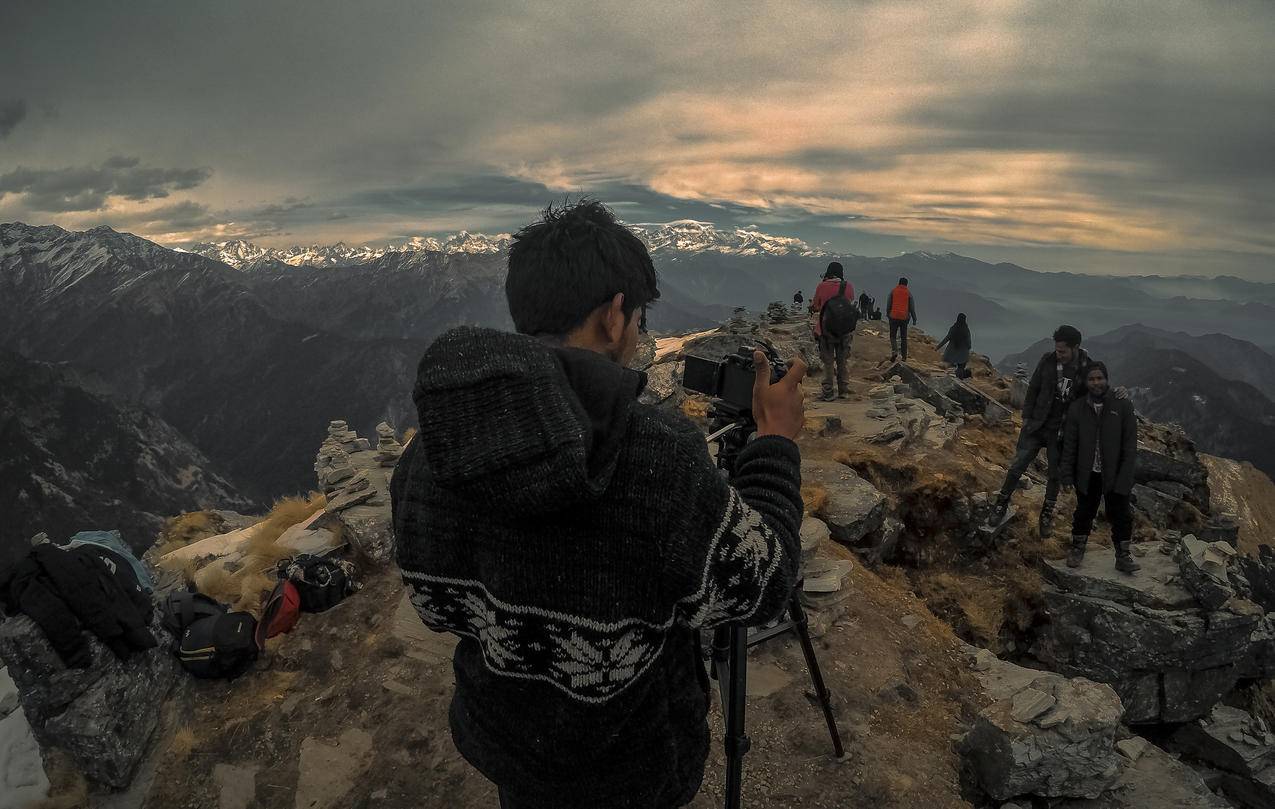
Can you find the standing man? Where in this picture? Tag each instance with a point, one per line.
(797, 300)
(1100, 450)
(900, 307)
(835, 319)
(1059, 380)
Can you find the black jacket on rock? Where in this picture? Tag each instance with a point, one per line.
(577, 540)
(1115, 431)
(67, 590)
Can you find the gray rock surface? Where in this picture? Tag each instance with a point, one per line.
(1240, 745)
(1169, 658)
(1042, 734)
(664, 385)
(359, 501)
(1161, 509)
(1205, 568)
(103, 716)
(854, 509)
(1155, 781)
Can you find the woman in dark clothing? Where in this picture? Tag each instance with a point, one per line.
(959, 341)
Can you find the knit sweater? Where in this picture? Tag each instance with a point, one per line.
(576, 541)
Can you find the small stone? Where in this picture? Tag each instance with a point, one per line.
(910, 621)
(1132, 749)
(1029, 704)
(398, 688)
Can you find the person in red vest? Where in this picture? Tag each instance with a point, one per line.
(834, 328)
(900, 307)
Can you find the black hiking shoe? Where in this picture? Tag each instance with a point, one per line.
(1124, 560)
(1076, 553)
(843, 394)
(827, 396)
(1046, 524)
(998, 510)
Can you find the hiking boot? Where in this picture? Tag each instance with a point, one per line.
(1124, 559)
(1046, 524)
(893, 357)
(827, 396)
(844, 393)
(999, 509)
(1076, 553)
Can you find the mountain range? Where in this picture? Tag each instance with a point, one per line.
(247, 352)
(1221, 390)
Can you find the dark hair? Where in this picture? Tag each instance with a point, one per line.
(903, 281)
(835, 270)
(1067, 334)
(1097, 365)
(575, 259)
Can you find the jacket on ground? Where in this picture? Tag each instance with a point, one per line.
(1038, 405)
(66, 590)
(1115, 431)
(576, 541)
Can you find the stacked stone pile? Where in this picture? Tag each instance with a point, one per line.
(776, 312)
(824, 580)
(355, 477)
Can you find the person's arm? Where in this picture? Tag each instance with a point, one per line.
(1070, 448)
(1128, 449)
(1033, 390)
(946, 339)
(736, 556)
(912, 306)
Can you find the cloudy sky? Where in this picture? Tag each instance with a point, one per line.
(1124, 137)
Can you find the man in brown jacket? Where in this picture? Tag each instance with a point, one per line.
(1100, 449)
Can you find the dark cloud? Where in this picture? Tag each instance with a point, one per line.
(11, 114)
(87, 188)
(179, 216)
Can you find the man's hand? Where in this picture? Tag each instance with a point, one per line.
(1122, 392)
(778, 409)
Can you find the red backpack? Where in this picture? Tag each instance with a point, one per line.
(279, 613)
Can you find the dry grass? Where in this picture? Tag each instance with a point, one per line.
(67, 787)
(180, 531)
(814, 496)
(972, 605)
(695, 408)
(183, 742)
(408, 435)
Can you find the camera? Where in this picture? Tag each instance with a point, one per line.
(730, 379)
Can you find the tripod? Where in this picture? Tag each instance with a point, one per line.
(731, 641)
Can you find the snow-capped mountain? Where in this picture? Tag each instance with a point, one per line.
(682, 236)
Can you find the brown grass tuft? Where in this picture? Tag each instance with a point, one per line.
(183, 742)
(67, 787)
(974, 607)
(815, 497)
(180, 531)
(695, 408)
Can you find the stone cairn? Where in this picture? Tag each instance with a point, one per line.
(332, 464)
(824, 581)
(388, 449)
(740, 323)
(776, 312)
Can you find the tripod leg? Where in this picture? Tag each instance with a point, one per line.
(734, 691)
(816, 676)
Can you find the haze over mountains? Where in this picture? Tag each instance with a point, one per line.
(247, 352)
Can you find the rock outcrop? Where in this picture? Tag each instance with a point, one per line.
(1150, 777)
(854, 508)
(1241, 747)
(1168, 655)
(102, 716)
(1043, 734)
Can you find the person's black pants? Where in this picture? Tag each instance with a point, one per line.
(899, 338)
(1029, 446)
(1119, 513)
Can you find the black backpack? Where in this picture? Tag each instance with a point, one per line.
(839, 315)
(210, 641)
(322, 583)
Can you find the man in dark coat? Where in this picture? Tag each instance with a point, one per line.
(1058, 380)
(1100, 450)
(577, 540)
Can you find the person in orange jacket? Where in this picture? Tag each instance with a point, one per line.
(899, 307)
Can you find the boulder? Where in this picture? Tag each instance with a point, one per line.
(854, 507)
(1153, 780)
(103, 716)
(1205, 570)
(1259, 576)
(1168, 657)
(664, 386)
(645, 354)
(1182, 467)
(971, 399)
(1042, 734)
(1241, 746)
(1160, 509)
(922, 389)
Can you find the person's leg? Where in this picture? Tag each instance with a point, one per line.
(1082, 520)
(843, 356)
(1120, 515)
(894, 339)
(827, 356)
(1028, 447)
(903, 339)
(1053, 456)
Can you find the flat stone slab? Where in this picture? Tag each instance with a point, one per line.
(854, 509)
(1157, 585)
(423, 643)
(1155, 780)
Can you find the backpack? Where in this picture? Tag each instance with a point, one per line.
(321, 583)
(219, 646)
(839, 316)
(209, 641)
(280, 612)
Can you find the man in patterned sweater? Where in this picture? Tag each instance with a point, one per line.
(577, 540)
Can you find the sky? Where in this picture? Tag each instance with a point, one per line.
(1128, 138)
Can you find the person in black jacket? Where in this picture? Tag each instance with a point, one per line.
(1099, 455)
(577, 540)
(959, 343)
(1057, 381)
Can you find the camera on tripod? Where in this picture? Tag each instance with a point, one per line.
(730, 379)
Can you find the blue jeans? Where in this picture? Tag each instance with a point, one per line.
(1029, 446)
